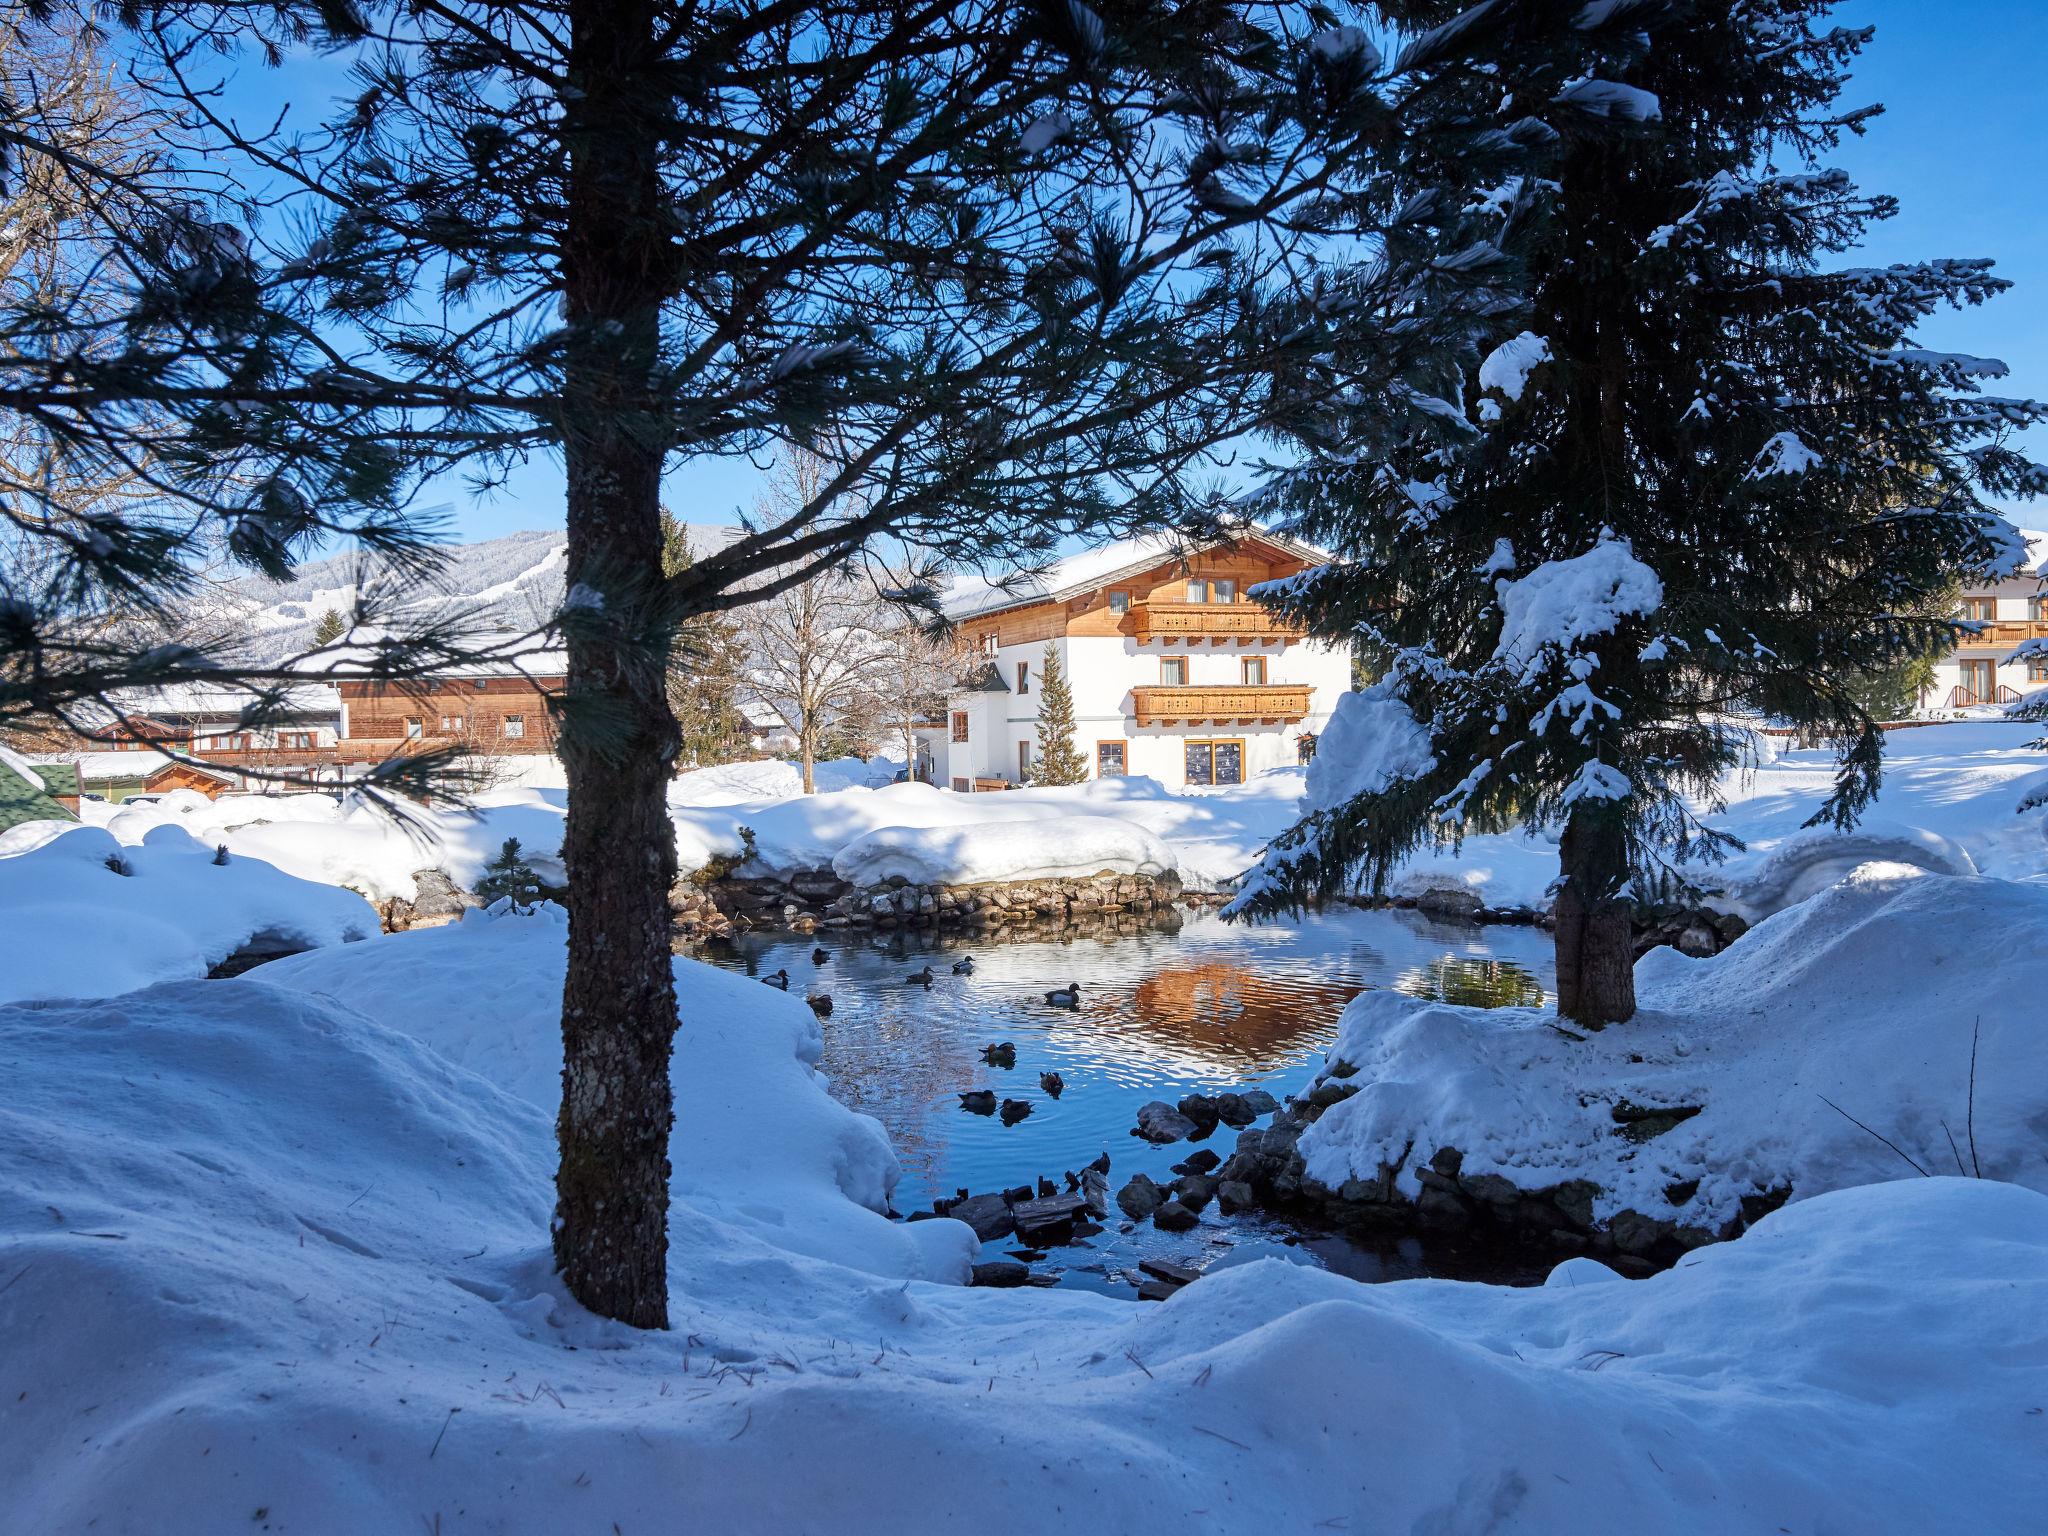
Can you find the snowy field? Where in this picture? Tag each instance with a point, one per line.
(275, 1254)
(273, 1250)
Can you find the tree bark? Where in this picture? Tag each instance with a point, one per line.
(619, 738)
(807, 748)
(1596, 976)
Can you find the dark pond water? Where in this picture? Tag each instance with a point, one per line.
(1181, 1006)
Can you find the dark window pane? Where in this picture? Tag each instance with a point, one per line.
(1229, 763)
(1201, 766)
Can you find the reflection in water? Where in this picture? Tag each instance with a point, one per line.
(1167, 1008)
(1474, 983)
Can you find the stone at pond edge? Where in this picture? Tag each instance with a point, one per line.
(1170, 1272)
(1204, 1161)
(1140, 1198)
(1234, 1195)
(1001, 1273)
(1173, 1217)
(1161, 1122)
(989, 1215)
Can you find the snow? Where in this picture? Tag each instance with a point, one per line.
(1857, 998)
(1508, 366)
(72, 926)
(1563, 602)
(1784, 454)
(1372, 743)
(15, 762)
(270, 1261)
(1044, 847)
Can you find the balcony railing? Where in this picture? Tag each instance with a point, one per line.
(2004, 632)
(1218, 623)
(1267, 704)
(1963, 696)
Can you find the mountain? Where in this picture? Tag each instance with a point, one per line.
(514, 582)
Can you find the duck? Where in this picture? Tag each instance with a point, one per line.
(1068, 996)
(1015, 1110)
(979, 1101)
(819, 957)
(964, 966)
(780, 980)
(1004, 1055)
(821, 1004)
(921, 978)
(1053, 1084)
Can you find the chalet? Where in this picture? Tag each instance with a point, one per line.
(486, 708)
(1980, 669)
(1177, 672)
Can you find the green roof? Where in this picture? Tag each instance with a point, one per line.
(21, 801)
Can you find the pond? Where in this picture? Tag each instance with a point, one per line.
(1184, 1004)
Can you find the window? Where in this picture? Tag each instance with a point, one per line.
(515, 725)
(961, 786)
(1119, 602)
(1173, 671)
(1109, 759)
(300, 739)
(2037, 669)
(1980, 607)
(959, 725)
(1223, 591)
(481, 685)
(990, 642)
(412, 729)
(1023, 761)
(1254, 670)
(1198, 590)
(451, 722)
(1215, 762)
(1023, 677)
(2037, 608)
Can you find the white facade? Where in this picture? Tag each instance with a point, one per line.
(1104, 672)
(1979, 671)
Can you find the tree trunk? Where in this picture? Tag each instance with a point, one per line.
(619, 739)
(1596, 976)
(807, 748)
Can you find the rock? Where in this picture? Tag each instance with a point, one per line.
(1156, 1290)
(1095, 1191)
(1201, 1110)
(1453, 901)
(1697, 940)
(1643, 1123)
(1233, 1195)
(1140, 1198)
(1003, 1273)
(1161, 1122)
(1259, 1102)
(1574, 1201)
(1019, 1192)
(438, 896)
(1442, 1208)
(989, 1215)
(1327, 1093)
(1447, 1160)
(1203, 1161)
(1047, 1222)
(1232, 1110)
(1170, 1272)
(1194, 1191)
(1173, 1217)
(1490, 1188)
(1633, 1233)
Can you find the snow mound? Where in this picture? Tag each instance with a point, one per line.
(1864, 997)
(1042, 848)
(85, 915)
(1563, 602)
(758, 1143)
(269, 1263)
(1803, 865)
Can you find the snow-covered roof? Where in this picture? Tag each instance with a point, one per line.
(180, 699)
(970, 596)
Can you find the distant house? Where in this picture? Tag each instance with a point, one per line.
(1177, 671)
(1980, 669)
(35, 792)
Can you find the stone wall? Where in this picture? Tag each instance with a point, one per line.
(709, 905)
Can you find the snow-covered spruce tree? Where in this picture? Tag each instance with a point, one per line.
(1021, 268)
(1709, 480)
(1059, 760)
(509, 877)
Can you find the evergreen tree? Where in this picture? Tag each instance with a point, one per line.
(1059, 759)
(509, 877)
(706, 663)
(328, 628)
(1707, 477)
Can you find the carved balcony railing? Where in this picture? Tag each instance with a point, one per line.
(1267, 704)
(1217, 623)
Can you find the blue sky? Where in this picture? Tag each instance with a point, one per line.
(1962, 145)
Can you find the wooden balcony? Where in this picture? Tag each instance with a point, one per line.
(1270, 704)
(2005, 633)
(1217, 623)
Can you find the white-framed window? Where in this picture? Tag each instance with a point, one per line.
(1198, 589)
(515, 725)
(451, 723)
(1173, 671)
(991, 643)
(412, 729)
(1253, 669)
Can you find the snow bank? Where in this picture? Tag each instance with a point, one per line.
(264, 1262)
(757, 1143)
(73, 925)
(1868, 996)
(1042, 848)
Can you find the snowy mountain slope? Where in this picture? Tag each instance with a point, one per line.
(511, 581)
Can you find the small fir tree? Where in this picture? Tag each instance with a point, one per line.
(510, 877)
(328, 628)
(1707, 474)
(1059, 759)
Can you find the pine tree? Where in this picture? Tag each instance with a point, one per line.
(509, 877)
(1059, 760)
(707, 661)
(328, 628)
(1706, 477)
